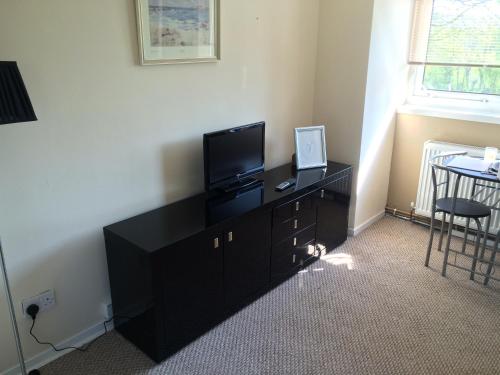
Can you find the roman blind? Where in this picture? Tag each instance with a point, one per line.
(456, 33)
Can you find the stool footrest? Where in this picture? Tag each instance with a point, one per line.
(474, 272)
(479, 259)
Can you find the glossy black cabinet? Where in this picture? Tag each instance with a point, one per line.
(247, 250)
(178, 271)
(193, 287)
(332, 202)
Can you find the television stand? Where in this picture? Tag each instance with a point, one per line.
(180, 270)
(243, 183)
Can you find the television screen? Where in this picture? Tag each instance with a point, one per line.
(234, 154)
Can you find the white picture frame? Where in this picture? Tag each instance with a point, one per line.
(310, 147)
(178, 31)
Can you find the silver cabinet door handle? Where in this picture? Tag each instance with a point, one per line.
(322, 193)
(297, 206)
(230, 236)
(293, 260)
(295, 241)
(216, 242)
(295, 224)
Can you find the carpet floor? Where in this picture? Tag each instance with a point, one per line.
(370, 307)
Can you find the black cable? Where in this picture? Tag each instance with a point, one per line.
(83, 348)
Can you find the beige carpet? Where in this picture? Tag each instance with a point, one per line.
(371, 307)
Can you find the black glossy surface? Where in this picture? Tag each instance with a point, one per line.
(177, 271)
(246, 258)
(167, 225)
(333, 213)
(233, 154)
(193, 288)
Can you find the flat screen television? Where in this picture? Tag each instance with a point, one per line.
(233, 156)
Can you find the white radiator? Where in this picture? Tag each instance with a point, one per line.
(425, 190)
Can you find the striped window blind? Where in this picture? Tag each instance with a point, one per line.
(463, 33)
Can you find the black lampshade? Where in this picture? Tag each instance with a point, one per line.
(15, 104)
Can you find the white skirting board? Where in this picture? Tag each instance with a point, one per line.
(359, 229)
(50, 355)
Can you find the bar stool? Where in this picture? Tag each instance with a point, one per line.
(453, 206)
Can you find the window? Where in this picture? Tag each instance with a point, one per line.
(455, 51)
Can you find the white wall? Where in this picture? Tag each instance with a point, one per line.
(343, 47)
(115, 139)
(360, 79)
(385, 89)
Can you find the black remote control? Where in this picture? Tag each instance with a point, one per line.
(285, 184)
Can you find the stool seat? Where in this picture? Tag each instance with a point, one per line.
(464, 208)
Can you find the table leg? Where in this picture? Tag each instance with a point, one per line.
(486, 231)
(440, 246)
(431, 239)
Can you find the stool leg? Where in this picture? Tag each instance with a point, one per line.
(492, 260)
(450, 226)
(443, 221)
(466, 234)
(483, 249)
(476, 249)
(431, 239)
(448, 243)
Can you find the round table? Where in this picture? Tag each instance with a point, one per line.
(475, 175)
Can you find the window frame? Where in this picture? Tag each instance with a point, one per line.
(451, 104)
(448, 104)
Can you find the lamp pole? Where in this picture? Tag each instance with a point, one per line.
(12, 312)
(15, 106)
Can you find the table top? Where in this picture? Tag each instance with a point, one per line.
(473, 174)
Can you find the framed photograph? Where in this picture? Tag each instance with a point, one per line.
(310, 147)
(178, 31)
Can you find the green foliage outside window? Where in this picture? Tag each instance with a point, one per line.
(464, 32)
(463, 79)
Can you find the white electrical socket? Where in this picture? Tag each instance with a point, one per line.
(45, 301)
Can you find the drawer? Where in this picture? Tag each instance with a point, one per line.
(292, 261)
(286, 229)
(283, 268)
(295, 243)
(297, 208)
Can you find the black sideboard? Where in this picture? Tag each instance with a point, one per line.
(178, 271)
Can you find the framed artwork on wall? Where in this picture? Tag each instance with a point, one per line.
(310, 147)
(178, 31)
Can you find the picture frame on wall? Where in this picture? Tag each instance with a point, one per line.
(310, 147)
(178, 31)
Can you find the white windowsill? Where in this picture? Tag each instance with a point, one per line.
(455, 114)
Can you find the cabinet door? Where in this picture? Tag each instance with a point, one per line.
(247, 256)
(193, 288)
(333, 213)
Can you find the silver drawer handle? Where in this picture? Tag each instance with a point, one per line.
(297, 206)
(322, 193)
(216, 243)
(295, 241)
(295, 224)
(230, 236)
